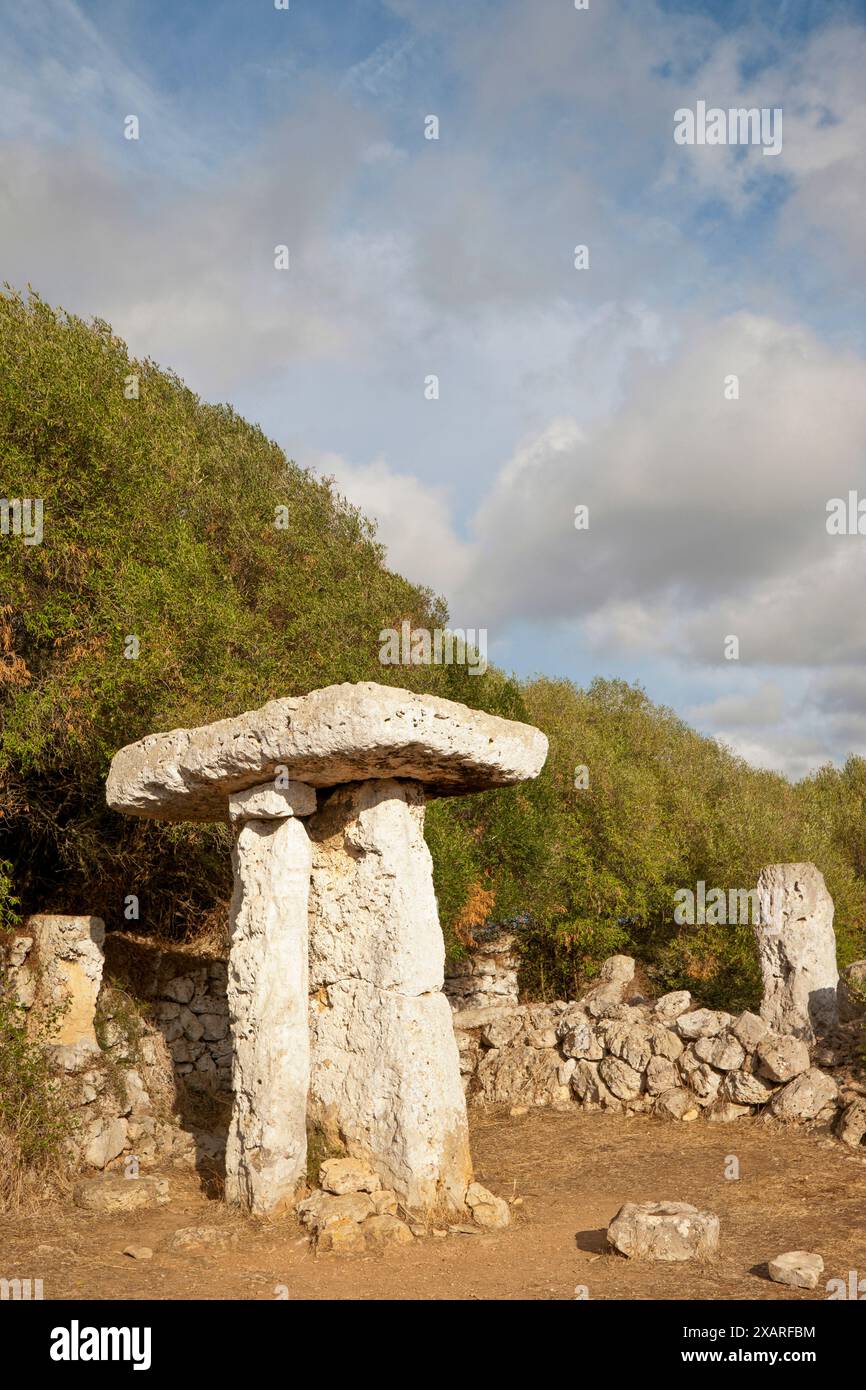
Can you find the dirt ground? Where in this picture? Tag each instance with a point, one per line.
(571, 1172)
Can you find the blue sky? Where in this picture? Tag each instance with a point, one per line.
(454, 257)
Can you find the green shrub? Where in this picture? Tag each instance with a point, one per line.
(35, 1121)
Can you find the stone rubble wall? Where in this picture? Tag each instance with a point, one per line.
(115, 1071)
(486, 977)
(611, 1050)
(614, 1050)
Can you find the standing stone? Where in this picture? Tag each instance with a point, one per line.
(385, 1081)
(70, 953)
(797, 950)
(268, 992)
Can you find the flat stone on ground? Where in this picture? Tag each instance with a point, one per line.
(798, 1268)
(663, 1231)
(113, 1192)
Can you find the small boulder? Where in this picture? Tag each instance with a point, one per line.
(622, 1080)
(677, 1104)
(723, 1052)
(749, 1029)
(851, 1127)
(851, 992)
(661, 1076)
(323, 1209)
(342, 1175)
(487, 1210)
(139, 1252)
(663, 1231)
(781, 1059)
(386, 1230)
(113, 1192)
(702, 1023)
(805, 1097)
(800, 1269)
(744, 1088)
(342, 1238)
(669, 1007)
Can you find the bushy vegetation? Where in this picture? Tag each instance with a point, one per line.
(160, 523)
(35, 1121)
(585, 871)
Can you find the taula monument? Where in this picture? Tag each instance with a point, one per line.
(336, 960)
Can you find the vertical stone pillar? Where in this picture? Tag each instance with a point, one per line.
(268, 996)
(385, 1080)
(797, 950)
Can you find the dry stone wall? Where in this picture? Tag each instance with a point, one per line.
(617, 1051)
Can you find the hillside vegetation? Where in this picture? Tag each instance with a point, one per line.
(244, 578)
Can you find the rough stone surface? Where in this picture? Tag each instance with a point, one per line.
(581, 1041)
(385, 1081)
(851, 1126)
(268, 1003)
(797, 950)
(663, 1231)
(385, 1230)
(702, 1023)
(723, 1052)
(323, 1209)
(344, 733)
(271, 802)
(805, 1097)
(781, 1059)
(624, 1081)
(487, 1210)
(661, 1076)
(745, 1088)
(669, 1007)
(113, 1192)
(800, 1269)
(339, 1175)
(677, 1104)
(749, 1029)
(486, 977)
(851, 993)
(70, 952)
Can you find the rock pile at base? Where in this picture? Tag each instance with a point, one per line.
(350, 1212)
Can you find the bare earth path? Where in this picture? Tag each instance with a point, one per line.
(573, 1171)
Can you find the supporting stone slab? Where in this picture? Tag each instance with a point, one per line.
(385, 1079)
(268, 995)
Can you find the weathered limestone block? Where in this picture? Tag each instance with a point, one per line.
(805, 1097)
(385, 1080)
(797, 950)
(69, 951)
(800, 1269)
(268, 1002)
(664, 1231)
(341, 734)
